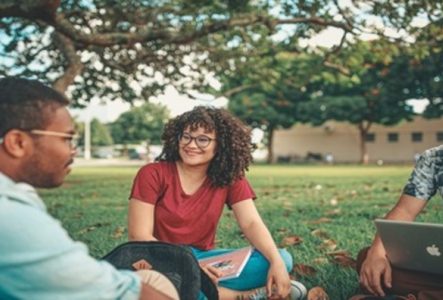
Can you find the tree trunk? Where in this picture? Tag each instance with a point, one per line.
(363, 130)
(270, 142)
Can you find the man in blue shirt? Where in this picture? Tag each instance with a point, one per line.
(38, 258)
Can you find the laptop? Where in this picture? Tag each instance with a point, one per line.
(412, 245)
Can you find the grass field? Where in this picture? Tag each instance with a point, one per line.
(328, 208)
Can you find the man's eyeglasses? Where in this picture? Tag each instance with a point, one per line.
(202, 141)
(70, 139)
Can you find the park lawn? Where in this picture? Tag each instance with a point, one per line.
(313, 211)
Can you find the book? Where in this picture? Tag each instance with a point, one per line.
(231, 263)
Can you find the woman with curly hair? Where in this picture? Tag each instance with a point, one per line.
(180, 199)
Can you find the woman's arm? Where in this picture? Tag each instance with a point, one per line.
(141, 221)
(259, 236)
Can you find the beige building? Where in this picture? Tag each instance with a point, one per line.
(399, 143)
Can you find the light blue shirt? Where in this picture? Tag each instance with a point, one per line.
(38, 259)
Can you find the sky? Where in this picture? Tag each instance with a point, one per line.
(109, 111)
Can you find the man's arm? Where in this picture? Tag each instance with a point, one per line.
(376, 266)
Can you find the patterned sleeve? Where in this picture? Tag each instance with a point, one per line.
(421, 183)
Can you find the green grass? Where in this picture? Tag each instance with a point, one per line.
(92, 206)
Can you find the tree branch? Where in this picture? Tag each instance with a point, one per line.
(31, 9)
(64, 26)
(340, 68)
(236, 90)
(75, 66)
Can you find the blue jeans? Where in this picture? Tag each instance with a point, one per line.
(254, 274)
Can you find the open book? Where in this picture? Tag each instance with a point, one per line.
(231, 263)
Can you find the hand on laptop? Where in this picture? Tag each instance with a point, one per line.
(376, 271)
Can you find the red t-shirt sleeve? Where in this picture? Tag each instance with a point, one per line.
(240, 190)
(147, 185)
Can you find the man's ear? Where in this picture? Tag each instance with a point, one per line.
(17, 143)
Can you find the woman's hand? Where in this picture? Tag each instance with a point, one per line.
(278, 284)
(213, 273)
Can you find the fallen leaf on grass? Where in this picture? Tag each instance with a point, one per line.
(317, 293)
(338, 252)
(287, 213)
(118, 233)
(92, 227)
(287, 204)
(282, 230)
(367, 187)
(328, 245)
(320, 261)
(320, 233)
(333, 212)
(304, 270)
(343, 259)
(319, 221)
(291, 240)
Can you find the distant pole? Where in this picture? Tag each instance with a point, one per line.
(87, 152)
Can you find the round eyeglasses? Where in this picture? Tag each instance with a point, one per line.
(202, 141)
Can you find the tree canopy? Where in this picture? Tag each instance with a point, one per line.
(270, 90)
(375, 90)
(134, 49)
(140, 124)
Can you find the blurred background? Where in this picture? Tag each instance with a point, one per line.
(320, 81)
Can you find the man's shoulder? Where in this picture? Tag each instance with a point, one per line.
(431, 159)
(434, 153)
(24, 225)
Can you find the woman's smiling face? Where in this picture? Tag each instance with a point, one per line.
(197, 147)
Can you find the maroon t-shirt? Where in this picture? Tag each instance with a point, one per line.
(180, 218)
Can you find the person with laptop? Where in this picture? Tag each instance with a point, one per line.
(377, 275)
(38, 258)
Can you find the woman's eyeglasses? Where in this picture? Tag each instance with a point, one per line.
(202, 141)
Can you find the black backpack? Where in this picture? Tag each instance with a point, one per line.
(177, 263)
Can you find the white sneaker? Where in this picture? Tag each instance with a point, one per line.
(297, 292)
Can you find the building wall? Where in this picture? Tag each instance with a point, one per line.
(342, 141)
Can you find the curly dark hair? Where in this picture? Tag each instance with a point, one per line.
(233, 152)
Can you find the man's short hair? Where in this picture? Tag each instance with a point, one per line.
(26, 104)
